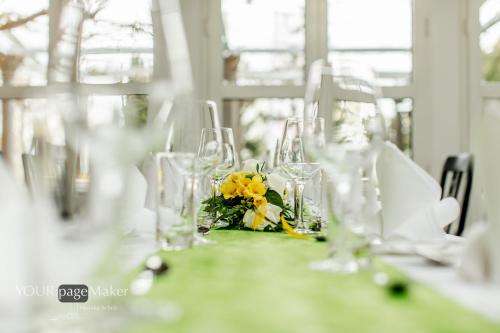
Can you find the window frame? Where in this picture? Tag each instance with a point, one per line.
(84, 89)
(316, 46)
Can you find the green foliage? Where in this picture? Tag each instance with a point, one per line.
(491, 64)
(228, 210)
(274, 198)
(233, 210)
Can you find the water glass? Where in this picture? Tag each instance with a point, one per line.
(178, 173)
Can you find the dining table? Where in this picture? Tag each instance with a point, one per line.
(261, 282)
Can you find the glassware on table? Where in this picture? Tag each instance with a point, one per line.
(291, 148)
(341, 241)
(177, 216)
(354, 129)
(184, 122)
(300, 172)
(218, 149)
(314, 202)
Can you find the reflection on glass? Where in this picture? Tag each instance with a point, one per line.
(374, 33)
(398, 122)
(260, 123)
(489, 17)
(23, 42)
(263, 41)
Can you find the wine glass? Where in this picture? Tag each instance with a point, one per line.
(292, 162)
(347, 98)
(291, 147)
(300, 172)
(217, 147)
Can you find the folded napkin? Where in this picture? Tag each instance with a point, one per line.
(412, 208)
(482, 255)
(137, 218)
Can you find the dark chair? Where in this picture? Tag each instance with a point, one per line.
(458, 168)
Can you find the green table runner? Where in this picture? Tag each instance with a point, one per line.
(260, 282)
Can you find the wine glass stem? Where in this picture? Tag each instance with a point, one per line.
(190, 207)
(214, 183)
(299, 204)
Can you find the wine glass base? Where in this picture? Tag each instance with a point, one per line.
(305, 231)
(202, 240)
(335, 266)
(219, 224)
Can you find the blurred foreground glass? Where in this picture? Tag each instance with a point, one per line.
(340, 244)
(347, 97)
(217, 148)
(184, 120)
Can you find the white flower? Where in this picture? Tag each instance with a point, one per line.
(272, 214)
(277, 183)
(250, 165)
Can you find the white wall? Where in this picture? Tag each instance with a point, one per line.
(441, 112)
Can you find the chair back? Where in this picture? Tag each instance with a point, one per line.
(456, 182)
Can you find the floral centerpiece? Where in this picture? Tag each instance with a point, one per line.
(252, 199)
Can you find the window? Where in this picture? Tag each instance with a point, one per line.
(263, 41)
(489, 18)
(377, 34)
(267, 46)
(117, 43)
(24, 39)
(261, 123)
(114, 60)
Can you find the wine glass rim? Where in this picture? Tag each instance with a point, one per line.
(302, 163)
(216, 129)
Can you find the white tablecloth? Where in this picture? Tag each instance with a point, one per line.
(480, 297)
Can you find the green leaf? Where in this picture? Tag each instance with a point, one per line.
(274, 198)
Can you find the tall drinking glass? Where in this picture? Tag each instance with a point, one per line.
(347, 99)
(177, 215)
(184, 122)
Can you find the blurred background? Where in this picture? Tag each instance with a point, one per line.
(437, 63)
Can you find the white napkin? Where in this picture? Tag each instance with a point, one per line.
(482, 256)
(137, 218)
(412, 208)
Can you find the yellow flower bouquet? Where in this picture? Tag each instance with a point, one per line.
(251, 199)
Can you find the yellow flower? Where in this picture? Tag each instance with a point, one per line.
(243, 184)
(255, 188)
(259, 201)
(228, 189)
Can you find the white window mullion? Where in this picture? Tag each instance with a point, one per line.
(316, 32)
(215, 61)
(83, 89)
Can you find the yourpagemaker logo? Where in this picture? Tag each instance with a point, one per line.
(73, 293)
